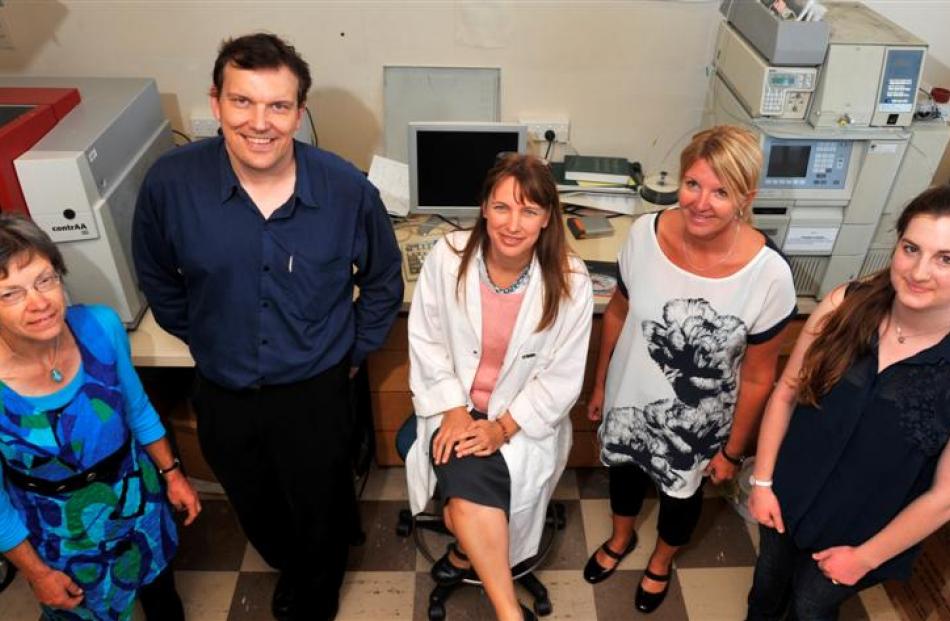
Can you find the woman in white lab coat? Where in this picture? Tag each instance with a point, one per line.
(498, 335)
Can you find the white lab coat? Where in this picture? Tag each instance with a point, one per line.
(539, 381)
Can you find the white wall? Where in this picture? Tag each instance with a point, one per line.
(630, 75)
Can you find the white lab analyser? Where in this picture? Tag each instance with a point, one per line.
(80, 182)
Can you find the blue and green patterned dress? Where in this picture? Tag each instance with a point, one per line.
(110, 538)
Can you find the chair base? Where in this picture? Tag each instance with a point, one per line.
(542, 602)
(522, 572)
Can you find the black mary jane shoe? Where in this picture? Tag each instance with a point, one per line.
(528, 614)
(445, 573)
(594, 573)
(647, 602)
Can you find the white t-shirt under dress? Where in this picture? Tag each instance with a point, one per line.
(673, 378)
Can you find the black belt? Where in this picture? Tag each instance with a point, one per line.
(106, 470)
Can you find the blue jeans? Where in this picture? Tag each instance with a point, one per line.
(788, 580)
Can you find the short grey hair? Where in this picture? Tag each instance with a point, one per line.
(20, 235)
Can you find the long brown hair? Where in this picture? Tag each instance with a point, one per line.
(849, 330)
(732, 153)
(534, 183)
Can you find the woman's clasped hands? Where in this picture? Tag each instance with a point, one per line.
(466, 436)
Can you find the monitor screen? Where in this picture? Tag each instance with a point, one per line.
(448, 162)
(788, 161)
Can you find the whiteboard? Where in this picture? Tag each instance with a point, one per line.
(435, 94)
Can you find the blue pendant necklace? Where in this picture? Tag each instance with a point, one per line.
(54, 373)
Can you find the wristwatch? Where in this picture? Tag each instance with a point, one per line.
(759, 482)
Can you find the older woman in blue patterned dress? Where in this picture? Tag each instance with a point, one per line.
(84, 463)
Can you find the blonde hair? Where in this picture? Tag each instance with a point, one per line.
(734, 155)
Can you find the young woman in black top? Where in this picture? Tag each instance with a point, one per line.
(853, 464)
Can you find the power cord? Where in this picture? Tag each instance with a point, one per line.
(549, 135)
(453, 224)
(313, 128)
(182, 134)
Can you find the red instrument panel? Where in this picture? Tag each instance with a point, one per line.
(31, 113)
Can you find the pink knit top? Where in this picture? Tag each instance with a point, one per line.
(499, 313)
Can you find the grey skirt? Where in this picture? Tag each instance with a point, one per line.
(481, 480)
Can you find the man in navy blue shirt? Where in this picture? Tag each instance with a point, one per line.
(248, 248)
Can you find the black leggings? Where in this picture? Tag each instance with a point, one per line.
(678, 516)
(160, 600)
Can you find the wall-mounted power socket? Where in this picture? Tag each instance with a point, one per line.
(204, 126)
(537, 127)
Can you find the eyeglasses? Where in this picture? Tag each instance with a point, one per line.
(14, 295)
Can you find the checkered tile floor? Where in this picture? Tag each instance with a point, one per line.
(221, 577)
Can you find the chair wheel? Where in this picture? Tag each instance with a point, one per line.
(404, 525)
(542, 607)
(436, 612)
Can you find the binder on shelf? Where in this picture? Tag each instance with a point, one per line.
(567, 185)
(597, 169)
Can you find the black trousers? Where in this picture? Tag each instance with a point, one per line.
(282, 454)
(678, 516)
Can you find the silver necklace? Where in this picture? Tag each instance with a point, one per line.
(54, 373)
(902, 338)
(725, 257)
(513, 287)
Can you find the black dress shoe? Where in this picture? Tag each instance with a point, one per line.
(528, 614)
(283, 603)
(594, 573)
(647, 602)
(445, 573)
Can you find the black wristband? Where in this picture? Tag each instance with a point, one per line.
(176, 464)
(735, 461)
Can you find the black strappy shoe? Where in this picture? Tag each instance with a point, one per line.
(594, 573)
(445, 573)
(528, 614)
(647, 602)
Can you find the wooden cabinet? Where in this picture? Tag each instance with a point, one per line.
(388, 371)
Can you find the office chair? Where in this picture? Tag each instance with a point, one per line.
(427, 522)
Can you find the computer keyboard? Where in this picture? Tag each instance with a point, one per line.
(413, 254)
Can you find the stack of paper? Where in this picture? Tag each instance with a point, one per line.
(391, 178)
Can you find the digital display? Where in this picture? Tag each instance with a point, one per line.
(786, 161)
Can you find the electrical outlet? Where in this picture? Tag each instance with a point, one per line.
(204, 126)
(538, 127)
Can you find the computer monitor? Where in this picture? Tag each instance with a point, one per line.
(448, 162)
